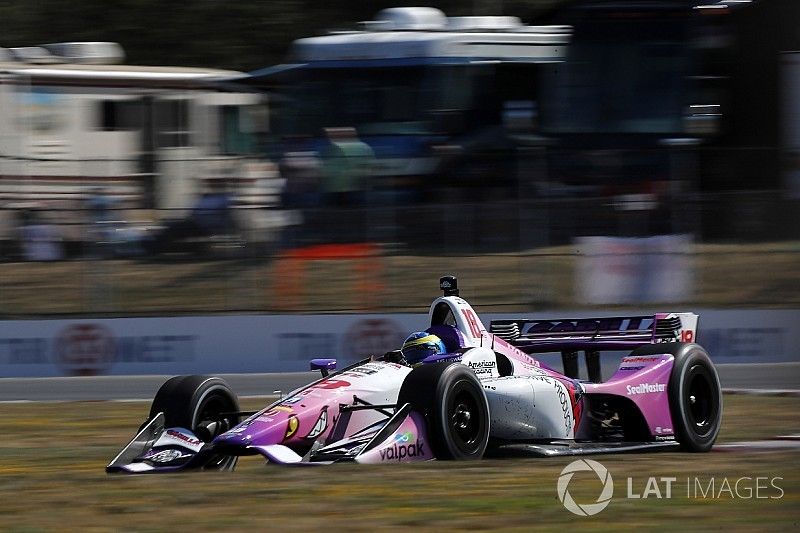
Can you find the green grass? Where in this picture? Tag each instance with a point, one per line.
(52, 479)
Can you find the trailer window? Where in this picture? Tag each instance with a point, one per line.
(237, 130)
(119, 115)
(172, 123)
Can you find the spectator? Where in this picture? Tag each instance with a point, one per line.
(347, 166)
(102, 228)
(301, 169)
(111, 235)
(41, 241)
(211, 215)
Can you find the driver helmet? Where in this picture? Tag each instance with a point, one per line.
(420, 345)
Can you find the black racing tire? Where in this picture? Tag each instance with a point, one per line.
(695, 395)
(455, 407)
(194, 402)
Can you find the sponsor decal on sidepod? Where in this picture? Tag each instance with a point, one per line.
(482, 367)
(645, 388)
(402, 448)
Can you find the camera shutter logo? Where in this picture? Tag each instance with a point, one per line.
(585, 465)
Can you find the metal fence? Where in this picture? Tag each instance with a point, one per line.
(723, 250)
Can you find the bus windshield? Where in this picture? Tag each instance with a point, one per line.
(385, 100)
(399, 100)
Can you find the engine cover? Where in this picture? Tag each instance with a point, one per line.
(529, 407)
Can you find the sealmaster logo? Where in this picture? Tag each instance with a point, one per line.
(645, 388)
(585, 465)
(403, 448)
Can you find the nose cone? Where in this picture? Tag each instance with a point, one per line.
(297, 425)
(271, 427)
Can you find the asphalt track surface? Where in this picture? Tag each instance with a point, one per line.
(766, 377)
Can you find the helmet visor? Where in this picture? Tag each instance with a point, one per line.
(418, 352)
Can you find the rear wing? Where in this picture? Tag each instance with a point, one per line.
(592, 335)
(596, 334)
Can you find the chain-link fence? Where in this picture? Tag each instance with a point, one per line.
(713, 250)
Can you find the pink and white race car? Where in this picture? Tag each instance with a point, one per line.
(486, 396)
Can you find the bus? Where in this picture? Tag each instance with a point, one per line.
(74, 119)
(432, 95)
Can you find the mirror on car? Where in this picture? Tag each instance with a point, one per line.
(323, 365)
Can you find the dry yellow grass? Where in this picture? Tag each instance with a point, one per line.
(758, 275)
(51, 479)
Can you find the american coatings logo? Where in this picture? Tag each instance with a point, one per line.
(645, 388)
(585, 465)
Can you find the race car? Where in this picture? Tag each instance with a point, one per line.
(485, 396)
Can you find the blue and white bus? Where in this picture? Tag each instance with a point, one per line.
(420, 88)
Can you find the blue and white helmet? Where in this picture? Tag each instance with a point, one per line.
(420, 345)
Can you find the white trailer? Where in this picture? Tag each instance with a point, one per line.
(72, 121)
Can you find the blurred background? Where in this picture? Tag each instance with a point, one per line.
(251, 157)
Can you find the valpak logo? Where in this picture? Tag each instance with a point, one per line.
(645, 388)
(403, 448)
(586, 509)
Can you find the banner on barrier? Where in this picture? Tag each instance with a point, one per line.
(278, 343)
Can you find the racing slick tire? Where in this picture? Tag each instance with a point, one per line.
(455, 407)
(695, 395)
(198, 403)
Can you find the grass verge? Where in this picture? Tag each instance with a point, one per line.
(546, 278)
(52, 458)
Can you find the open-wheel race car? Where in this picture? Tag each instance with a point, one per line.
(482, 395)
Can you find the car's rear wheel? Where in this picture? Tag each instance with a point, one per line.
(455, 407)
(204, 405)
(695, 395)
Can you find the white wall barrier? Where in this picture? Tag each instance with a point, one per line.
(282, 343)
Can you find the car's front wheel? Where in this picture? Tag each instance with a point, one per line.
(202, 404)
(455, 407)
